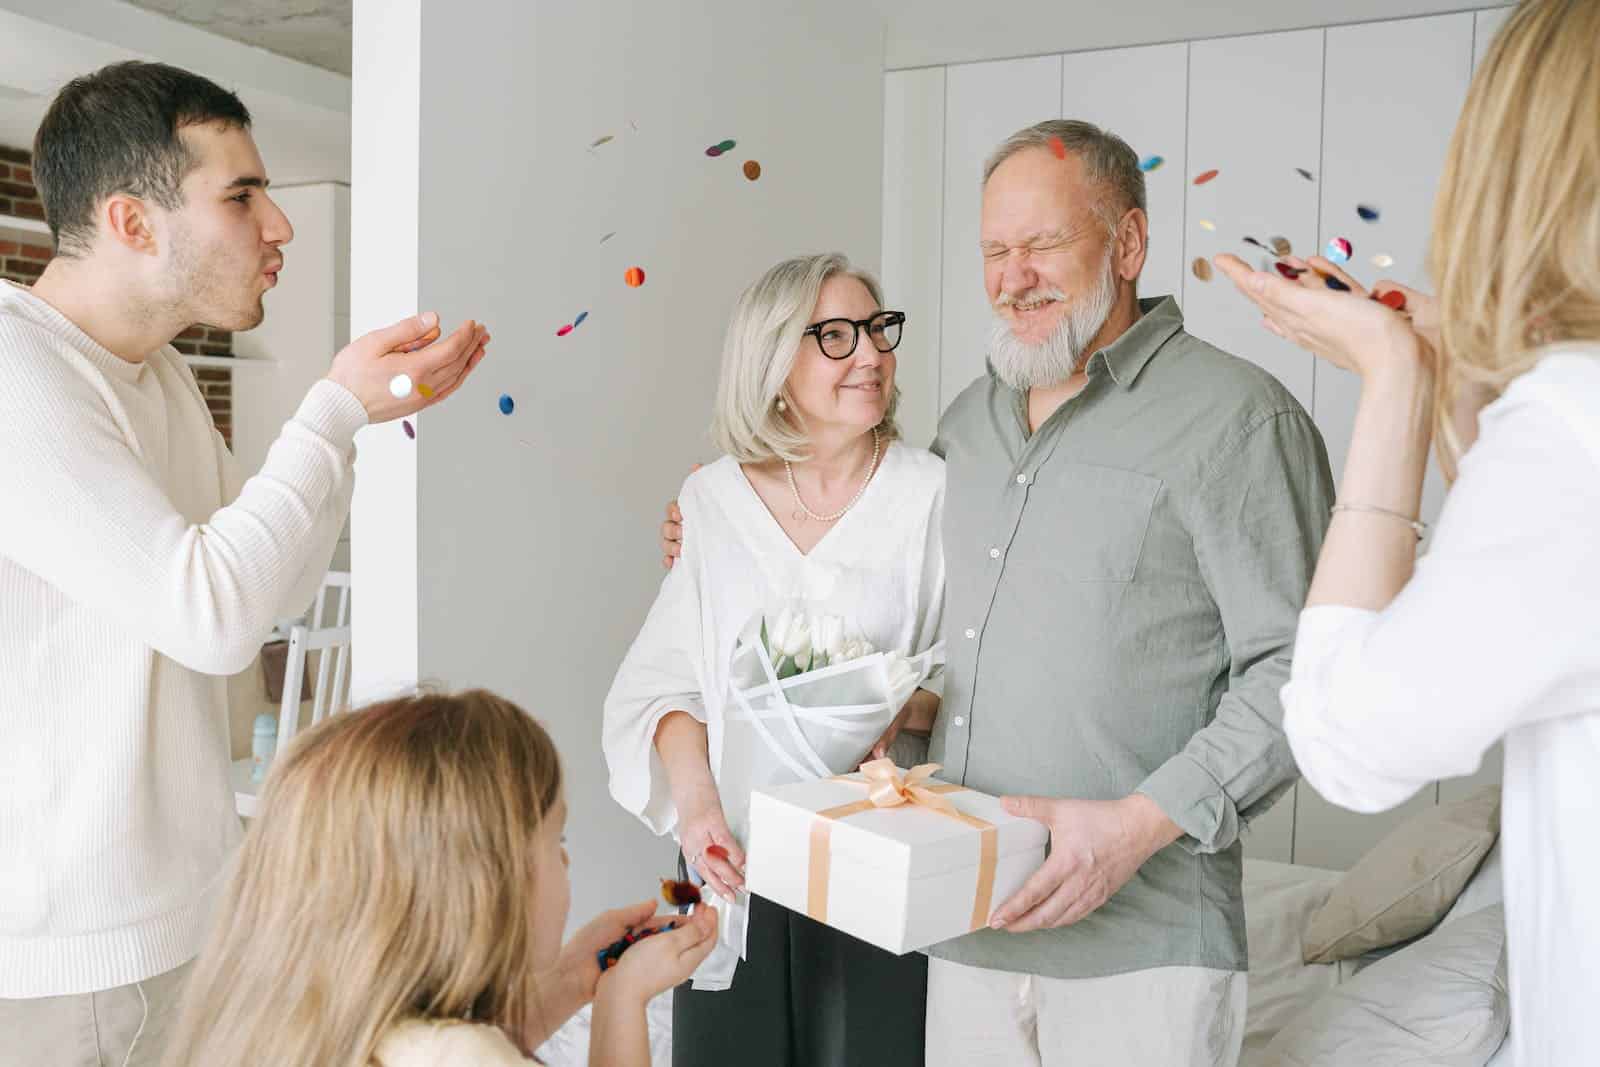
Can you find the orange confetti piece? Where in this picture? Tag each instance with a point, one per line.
(634, 277)
(1201, 179)
(1058, 147)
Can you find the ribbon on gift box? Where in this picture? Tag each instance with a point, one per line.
(889, 787)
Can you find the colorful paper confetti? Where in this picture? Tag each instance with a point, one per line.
(400, 386)
(1335, 283)
(405, 424)
(1150, 163)
(634, 276)
(1393, 298)
(507, 405)
(1059, 147)
(1367, 212)
(1257, 244)
(720, 148)
(1339, 250)
(1289, 272)
(1280, 246)
(1201, 179)
(427, 393)
(713, 151)
(564, 330)
(1382, 261)
(1306, 174)
(679, 894)
(1207, 224)
(1202, 268)
(602, 140)
(716, 852)
(579, 320)
(608, 237)
(752, 169)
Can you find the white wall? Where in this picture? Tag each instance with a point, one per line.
(1368, 109)
(535, 555)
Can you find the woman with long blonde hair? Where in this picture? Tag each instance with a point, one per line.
(1407, 670)
(400, 902)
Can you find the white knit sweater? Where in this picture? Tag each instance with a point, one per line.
(135, 571)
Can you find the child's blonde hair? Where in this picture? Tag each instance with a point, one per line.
(389, 875)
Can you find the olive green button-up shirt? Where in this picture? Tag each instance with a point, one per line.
(1122, 593)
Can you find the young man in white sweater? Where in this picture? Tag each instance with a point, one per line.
(137, 567)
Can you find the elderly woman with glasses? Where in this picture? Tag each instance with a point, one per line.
(816, 501)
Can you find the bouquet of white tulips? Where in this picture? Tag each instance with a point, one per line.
(811, 695)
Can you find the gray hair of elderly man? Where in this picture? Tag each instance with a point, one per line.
(1108, 162)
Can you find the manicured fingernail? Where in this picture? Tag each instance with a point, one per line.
(997, 923)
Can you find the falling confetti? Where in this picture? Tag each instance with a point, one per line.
(1339, 250)
(1257, 244)
(1394, 298)
(721, 148)
(1207, 224)
(1202, 268)
(1382, 261)
(1150, 163)
(1306, 174)
(579, 320)
(1367, 212)
(602, 140)
(400, 386)
(634, 276)
(1280, 246)
(1289, 272)
(405, 424)
(427, 394)
(727, 146)
(507, 405)
(752, 169)
(714, 151)
(608, 237)
(1201, 179)
(1059, 147)
(564, 330)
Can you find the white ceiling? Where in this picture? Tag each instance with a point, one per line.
(313, 31)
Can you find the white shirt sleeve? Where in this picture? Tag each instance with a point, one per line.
(1495, 629)
(660, 674)
(102, 529)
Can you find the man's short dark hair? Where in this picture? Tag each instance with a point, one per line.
(116, 131)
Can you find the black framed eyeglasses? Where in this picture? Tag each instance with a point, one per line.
(838, 337)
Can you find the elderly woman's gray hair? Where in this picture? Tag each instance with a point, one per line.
(1108, 162)
(763, 339)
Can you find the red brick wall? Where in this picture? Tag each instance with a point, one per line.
(22, 262)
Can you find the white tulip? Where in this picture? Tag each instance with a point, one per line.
(827, 637)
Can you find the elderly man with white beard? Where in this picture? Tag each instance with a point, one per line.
(1131, 521)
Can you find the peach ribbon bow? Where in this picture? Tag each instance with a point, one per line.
(890, 787)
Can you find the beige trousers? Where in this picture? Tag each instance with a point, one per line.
(122, 1027)
(1162, 1017)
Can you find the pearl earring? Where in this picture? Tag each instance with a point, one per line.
(781, 405)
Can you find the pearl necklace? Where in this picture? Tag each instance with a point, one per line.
(802, 512)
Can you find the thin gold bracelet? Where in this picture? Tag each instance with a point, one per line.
(1418, 528)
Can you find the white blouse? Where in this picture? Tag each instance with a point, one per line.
(881, 568)
(1496, 637)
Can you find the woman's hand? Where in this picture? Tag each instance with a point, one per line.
(656, 964)
(1347, 328)
(708, 844)
(918, 715)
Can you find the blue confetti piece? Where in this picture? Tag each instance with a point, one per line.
(1368, 214)
(579, 320)
(507, 405)
(1335, 283)
(1150, 163)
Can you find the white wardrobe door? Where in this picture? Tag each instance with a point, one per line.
(1147, 111)
(984, 104)
(1255, 115)
(913, 213)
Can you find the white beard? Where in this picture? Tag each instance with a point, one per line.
(1052, 361)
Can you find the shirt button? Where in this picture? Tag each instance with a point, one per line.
(971, 634)
(994, 553)
(1022, 479)
(958, 721)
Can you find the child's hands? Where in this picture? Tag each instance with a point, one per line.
(578, 970)
(667, 959)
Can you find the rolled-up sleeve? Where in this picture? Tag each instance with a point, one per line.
(1257, 522)
(659, 675)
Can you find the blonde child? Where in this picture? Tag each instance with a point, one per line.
(400, 902)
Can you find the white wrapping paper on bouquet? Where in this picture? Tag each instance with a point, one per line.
(801, 728)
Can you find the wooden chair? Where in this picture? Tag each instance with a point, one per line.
(325, 632)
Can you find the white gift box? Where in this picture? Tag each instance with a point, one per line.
(901, 877)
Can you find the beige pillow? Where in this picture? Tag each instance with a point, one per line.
(1441, 1001)
(1404, 886)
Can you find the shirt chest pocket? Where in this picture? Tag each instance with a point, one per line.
(1084, 523)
